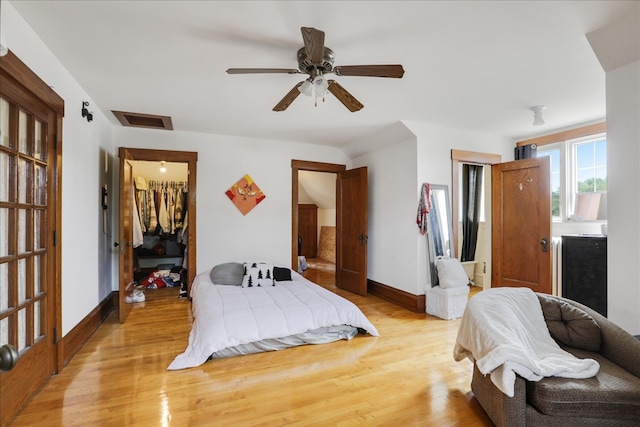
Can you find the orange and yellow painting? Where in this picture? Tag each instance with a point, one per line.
(245, 194)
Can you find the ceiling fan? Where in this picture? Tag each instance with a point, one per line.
(316, 60)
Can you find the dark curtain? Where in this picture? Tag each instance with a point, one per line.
(471, 193)
(525, 152)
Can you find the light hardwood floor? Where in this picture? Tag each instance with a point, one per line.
(405, 377)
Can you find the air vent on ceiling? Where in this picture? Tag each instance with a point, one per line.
(150, 121)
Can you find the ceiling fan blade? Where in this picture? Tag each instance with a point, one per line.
(313, 43)
(288, 98)
(395, 71)
(262, 71)
(345, 97)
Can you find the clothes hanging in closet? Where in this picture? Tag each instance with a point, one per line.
(161, 205)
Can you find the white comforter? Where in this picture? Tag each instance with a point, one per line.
(504, 331)
(227, 316)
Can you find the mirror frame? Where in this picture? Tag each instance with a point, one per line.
(431, 243)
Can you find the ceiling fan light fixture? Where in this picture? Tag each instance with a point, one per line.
(537, 114)
(306, 88)
(320, 84)
(316, 86)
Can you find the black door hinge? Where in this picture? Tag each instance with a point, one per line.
(55, 238)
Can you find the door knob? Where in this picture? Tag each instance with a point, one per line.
(545, 245)
(8, 357)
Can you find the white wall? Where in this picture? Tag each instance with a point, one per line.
(87, 154)
(409, 154)
(623, 156)
(224, 234)
(617, 47)
(392, 254)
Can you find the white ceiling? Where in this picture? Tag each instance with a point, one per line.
(473, 65)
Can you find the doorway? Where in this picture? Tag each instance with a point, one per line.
(128, 157)
(317, 225)
(481, 271)
(351, 222)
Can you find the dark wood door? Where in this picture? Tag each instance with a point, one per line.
(308, 229)
(521, 224)
(125, 243)
(29, 243)
(351, 230)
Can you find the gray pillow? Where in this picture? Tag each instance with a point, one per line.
(230, 273)
(570, 325)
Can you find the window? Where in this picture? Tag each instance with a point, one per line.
(578, 178)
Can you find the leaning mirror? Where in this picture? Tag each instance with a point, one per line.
(440, 231)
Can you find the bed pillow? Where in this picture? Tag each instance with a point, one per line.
(281, 274)
(266, 267)
(230, 273)
(451, 273)
(256, 277)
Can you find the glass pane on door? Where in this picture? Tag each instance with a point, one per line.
(38, 230)
(39, 141)
(38, 269)
(22, 329)
(4, 331)
(4, 231)
(22, 231)
(40, 185)
(7, 182)
(22, 281)
(23, 142)
(4, 122)
(4, 287)
(36, 320)
(25, 173)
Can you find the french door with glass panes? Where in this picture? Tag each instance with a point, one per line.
(28, 258)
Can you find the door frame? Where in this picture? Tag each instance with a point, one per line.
(459, 157)
(298, 165)
(191, 158)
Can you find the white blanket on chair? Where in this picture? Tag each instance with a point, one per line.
(504, 332)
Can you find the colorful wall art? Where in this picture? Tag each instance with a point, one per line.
(245, 194)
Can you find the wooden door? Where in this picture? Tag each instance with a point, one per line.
(351, 230)
(308, 229)
(29, 221)
(125, 238)
(521, 223)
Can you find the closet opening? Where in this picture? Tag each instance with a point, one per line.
(157, 224)
(160, 242)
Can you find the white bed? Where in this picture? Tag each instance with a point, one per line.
(233, 320)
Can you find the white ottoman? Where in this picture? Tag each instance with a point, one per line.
(447, 303)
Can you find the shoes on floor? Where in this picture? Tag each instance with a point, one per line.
(136, 296)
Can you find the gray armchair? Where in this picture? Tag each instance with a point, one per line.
(611, 398)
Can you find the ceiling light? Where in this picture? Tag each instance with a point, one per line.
(306, 88)
(315, 86)
(537, 114)
(163, 169)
